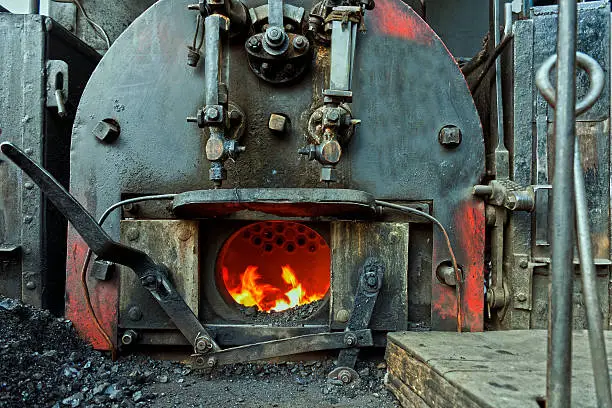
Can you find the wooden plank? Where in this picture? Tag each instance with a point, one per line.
(351, 244)
(175, 243)
(425, 382)
(403, 393)
(499, 368)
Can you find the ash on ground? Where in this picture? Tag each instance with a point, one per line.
(43, 363)
(294, 316)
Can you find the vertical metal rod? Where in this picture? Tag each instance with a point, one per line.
(589, 289)
(34, 7)
(212, 59)
(502, 159)
(559, 365)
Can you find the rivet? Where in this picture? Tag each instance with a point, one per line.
(31, 285)
(134, 313)
(29, 151)
(27, 219)
(342, 315)
(524, 264)
(184, 234)
(28, 186)
(521, 297)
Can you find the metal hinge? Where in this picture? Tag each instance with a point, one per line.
(57, 86)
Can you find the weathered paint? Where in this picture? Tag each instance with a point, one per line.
(395, 19)
(103, 297)
(470, 227)
(468, 238)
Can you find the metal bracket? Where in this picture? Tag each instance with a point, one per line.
(370, 282)
(57, 86)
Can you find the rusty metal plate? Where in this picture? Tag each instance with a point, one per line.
(292, 202)
(173, 243)
(351, 244)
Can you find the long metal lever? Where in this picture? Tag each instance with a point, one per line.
(559, 379)
(153, 276)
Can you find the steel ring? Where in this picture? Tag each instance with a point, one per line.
(593, 70)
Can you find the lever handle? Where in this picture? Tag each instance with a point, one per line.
(154, 277)
(95, 237)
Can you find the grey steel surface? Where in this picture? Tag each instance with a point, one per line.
(597, 343)
(559, 366)
(26, 220)
(394, 155)
(531, 143)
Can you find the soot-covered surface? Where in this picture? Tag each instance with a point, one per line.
(43, 363)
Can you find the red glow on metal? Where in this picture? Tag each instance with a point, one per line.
(470, 225)
(467, 237)
(395, 19)
(104, 297)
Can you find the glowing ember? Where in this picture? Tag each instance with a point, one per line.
(250, 291)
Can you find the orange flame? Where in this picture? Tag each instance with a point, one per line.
(268, 298)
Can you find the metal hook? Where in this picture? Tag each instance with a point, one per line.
(592, 68)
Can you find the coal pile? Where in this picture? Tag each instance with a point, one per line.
(43, 363)
(294, 316)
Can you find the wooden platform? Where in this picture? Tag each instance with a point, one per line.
(490, 369)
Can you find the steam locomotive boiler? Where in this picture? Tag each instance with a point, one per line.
(276, 188)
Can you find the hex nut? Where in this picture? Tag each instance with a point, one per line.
(107, 130)
(329, 173)
(449, 136)
(278, 122)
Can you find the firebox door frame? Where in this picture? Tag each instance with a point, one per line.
(216, 305)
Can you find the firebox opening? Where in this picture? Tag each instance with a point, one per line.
(274, 266)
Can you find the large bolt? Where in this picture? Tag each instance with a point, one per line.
(333, 115)
(129, 337)
(274, 36)
(350, 340)
(212, 113)
(299, 43)
(107, 130)
(449, 136)
(253, 44)
(134, 313)
(278, 123)
(371, 280)
(446, 274)
(211, 362)
(345, 376)
(203, 345)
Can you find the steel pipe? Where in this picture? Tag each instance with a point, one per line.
(597, 342)
(34, 7)
(559, 367)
